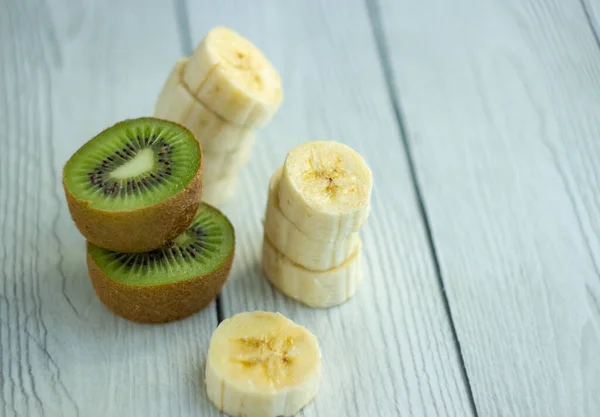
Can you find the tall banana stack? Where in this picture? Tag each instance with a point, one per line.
(223, 93)
(317, 203)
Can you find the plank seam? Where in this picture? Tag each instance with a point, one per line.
(590, 21)
(183, 26)
(382, 52)
(185, 39)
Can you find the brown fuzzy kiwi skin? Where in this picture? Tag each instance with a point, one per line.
(159, 303)
(140, 230)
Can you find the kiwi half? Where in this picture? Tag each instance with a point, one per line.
(169, 283)
(136, 185)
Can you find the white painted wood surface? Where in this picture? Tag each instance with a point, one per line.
(67, 70)
(70, 69)
(502, 100)
(389, 351)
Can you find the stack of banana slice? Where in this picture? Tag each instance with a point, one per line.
(317, 203)
(222, 93)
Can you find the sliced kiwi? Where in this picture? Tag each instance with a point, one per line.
(136, 185)
(169, 283)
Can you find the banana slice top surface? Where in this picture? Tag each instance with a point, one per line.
(330, 176)
(245, 64)
(263, 352)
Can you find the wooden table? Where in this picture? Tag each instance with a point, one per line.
(481, 122)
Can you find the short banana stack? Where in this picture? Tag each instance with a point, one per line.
(317, 203)
(223, 93)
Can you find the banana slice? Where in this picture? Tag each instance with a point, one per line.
(223, 164)
(311, 254)
(177, 104)
(262, 364)
(325, 190)
(218, 192)
(313, 288)
(234, 79)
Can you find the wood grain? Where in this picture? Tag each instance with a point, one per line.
(67, 70)
(389, 351)
(501, 101)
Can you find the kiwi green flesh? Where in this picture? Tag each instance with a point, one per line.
(133, 164)
(204, 247)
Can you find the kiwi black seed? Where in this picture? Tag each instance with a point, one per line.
(136, 185)
(171, 282)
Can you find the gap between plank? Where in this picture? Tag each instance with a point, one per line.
(382, 51)
(185, 39)
(183, 26)
(590, 21)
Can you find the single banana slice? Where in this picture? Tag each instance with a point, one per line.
(225, 164)
(177, 104)
(313, 288)
(311, 254)
(234, 79)
(219, 192)
(262, 364)
(325, 190)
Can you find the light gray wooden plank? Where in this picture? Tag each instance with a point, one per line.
(389, 351)
(591, 10)
(67, 70)
(501, 100)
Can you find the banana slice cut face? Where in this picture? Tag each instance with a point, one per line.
(234, 79)
(325, 190)
(262, 364)
(314, 288)
(311, 254)
(177, 104)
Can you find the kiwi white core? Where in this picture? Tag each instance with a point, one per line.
(140, 164)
